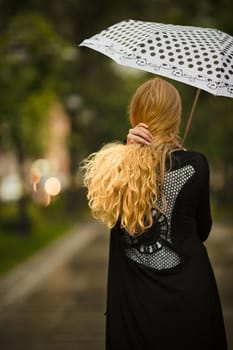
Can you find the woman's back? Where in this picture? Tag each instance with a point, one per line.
(161, 288)
(187, 213)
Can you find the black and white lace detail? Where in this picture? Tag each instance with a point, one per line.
(154, 248)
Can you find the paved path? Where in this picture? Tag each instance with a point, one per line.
(23, 279)
(64, 308)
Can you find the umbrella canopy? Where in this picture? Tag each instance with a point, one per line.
(196, 56)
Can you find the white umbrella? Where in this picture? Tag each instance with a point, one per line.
(201, 57)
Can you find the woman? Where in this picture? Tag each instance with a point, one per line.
(154, 195)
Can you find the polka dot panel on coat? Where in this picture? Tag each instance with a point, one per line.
(160, 253)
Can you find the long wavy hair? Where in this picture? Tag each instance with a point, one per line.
(125, 182)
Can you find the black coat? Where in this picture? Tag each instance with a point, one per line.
(162, 293)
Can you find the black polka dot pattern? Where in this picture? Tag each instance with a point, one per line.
(160, 253)
(196, 56)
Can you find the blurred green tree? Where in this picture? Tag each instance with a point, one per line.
(31, 63)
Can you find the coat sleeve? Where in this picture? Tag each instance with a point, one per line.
(203, 216)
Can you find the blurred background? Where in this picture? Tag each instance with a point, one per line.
(58, 103)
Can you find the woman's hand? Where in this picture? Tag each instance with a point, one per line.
(139, 134)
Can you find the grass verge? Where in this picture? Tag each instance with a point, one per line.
(47, 224)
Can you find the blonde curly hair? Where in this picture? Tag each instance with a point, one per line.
(125, 182)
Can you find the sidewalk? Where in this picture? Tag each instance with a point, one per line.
(30, 274)
(61, 300)
(63, 307)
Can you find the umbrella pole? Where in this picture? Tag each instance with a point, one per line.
(191, 116)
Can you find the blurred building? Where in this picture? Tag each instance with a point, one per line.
(53, 164)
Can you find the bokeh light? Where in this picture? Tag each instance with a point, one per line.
(11, 188)
(52, 186)
(42, 167)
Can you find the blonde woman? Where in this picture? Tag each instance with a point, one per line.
(154, 196)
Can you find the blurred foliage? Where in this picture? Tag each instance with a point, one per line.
(30, 63)
(46, 34)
